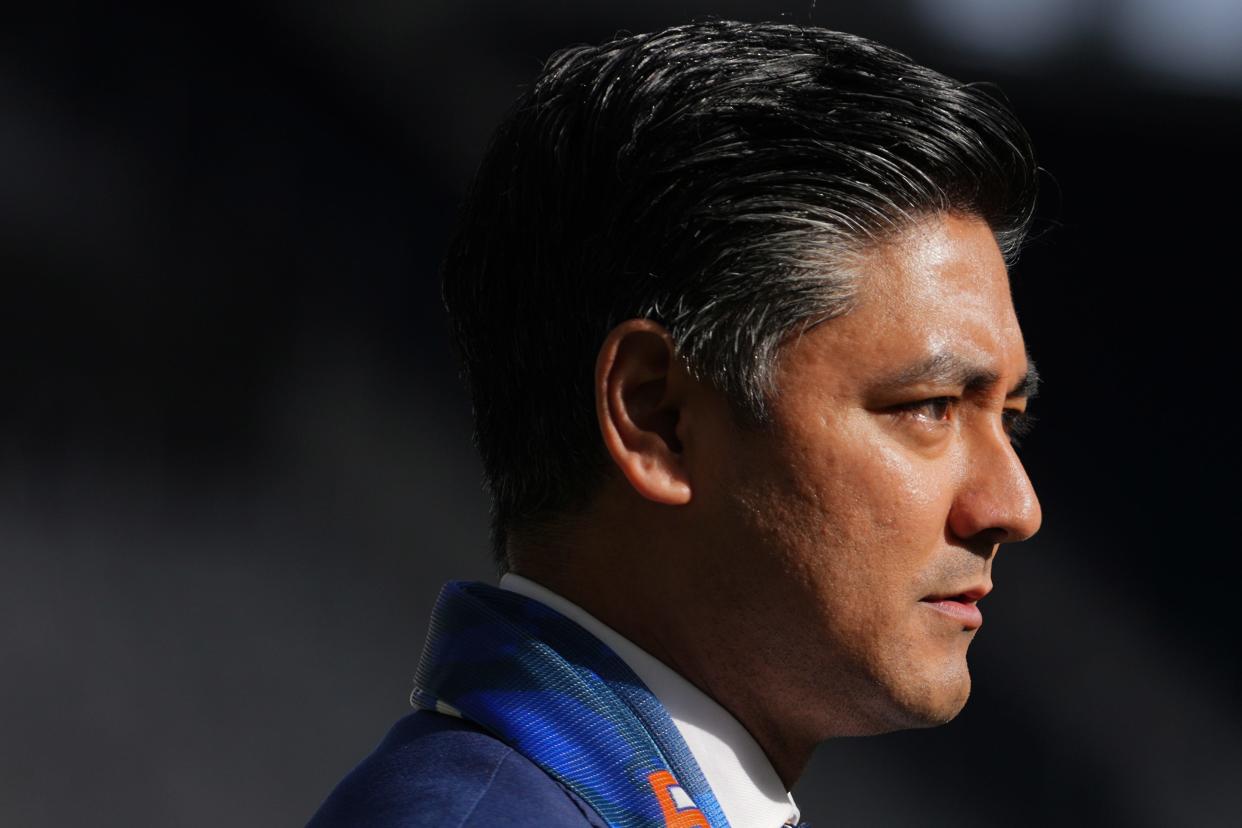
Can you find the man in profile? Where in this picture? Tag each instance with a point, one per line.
(733, 303)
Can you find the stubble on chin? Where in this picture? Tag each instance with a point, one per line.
(931, 689)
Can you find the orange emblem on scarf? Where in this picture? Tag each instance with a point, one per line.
(676, 814)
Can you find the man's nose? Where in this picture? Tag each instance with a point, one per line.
(996, 500)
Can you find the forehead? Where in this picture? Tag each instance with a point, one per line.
(940, 286)
(941, 254)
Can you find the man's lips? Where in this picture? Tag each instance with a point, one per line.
(960, 606)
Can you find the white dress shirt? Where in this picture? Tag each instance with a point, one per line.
(745, 784)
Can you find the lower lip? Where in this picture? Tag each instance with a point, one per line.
(966, 614)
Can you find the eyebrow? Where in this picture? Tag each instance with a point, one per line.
(948, 368)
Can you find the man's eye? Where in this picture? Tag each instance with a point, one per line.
(1017, 425)
(936, 408)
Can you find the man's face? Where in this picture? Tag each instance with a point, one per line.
(857, 531)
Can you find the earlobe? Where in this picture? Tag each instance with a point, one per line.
(640, 396)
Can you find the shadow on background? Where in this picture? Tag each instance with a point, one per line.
(236, 458)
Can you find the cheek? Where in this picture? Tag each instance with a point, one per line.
(910, 490)
(869, 486)
(839, 510)
(862, 520)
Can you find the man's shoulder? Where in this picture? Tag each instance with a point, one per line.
(436, 770)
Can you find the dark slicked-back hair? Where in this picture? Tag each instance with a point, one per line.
(718, 178)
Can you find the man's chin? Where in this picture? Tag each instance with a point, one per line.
(931, 703)
(908, 694)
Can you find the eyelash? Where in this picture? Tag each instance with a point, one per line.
(1018, 424)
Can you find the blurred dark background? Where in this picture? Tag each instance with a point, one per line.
(235, 462)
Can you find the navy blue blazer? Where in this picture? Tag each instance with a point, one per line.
(437, 771)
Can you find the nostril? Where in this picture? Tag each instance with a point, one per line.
(993, 536)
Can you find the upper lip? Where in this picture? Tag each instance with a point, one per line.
(969, 595)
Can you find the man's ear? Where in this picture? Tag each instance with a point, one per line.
(640, 393)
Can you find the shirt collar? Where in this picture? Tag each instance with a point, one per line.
(745, 784)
